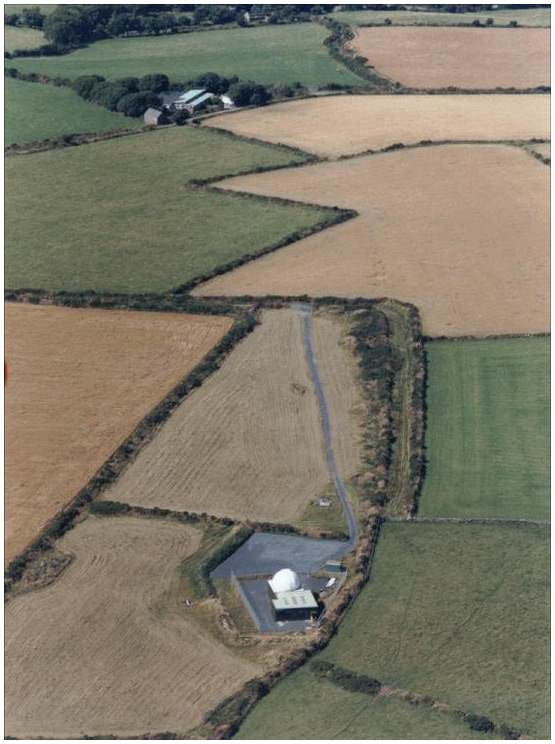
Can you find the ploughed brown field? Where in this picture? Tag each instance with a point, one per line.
(248, 444)
(343, 125)
(474, 58)
(461, 231)
(108, 647)
(79, 382)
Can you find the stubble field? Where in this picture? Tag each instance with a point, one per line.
(538, 16)
(488, 429)
(357, 123)
(442, 227)
(22, 38)
(108, 649)
(79, 382)
(472, 58)
(248, 444)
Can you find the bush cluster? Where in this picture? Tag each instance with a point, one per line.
(130, 95)
(345, 679)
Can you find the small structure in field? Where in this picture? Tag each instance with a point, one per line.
(324, 502)
(154, 118)
(289, 600)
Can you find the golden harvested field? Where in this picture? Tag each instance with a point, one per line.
(108, 648)
(79, 382)
(358, 123)
(461, 231)
(248, 444)
(542, 149)
(475, 58)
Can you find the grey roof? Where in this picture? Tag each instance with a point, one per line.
(190, 95)
(170, 97)
(293, 600)
(200, 100)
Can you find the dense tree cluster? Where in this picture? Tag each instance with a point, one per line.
(130, 95)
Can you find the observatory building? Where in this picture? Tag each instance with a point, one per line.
(289, 600)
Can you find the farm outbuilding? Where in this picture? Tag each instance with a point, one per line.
(153, 117)
(193, 100)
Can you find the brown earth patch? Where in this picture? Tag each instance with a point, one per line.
(79, 382)
(108, 647)
(472, 58)
(343, 125)
(249, 444)
(461, 231)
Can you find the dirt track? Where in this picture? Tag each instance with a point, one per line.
(79, 382)
(460, 231)
(248, 444)
(108, 648)
(343, 125)
(473, 58)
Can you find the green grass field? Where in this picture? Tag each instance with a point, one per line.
(317, 709)
(22, 38)
(457, 612)
(488, 429)
(117, 216)
(37, 112)
(267, 54)
(44, 9)
(524, 17)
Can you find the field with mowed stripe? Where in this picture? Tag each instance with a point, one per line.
(129, 221)
(266, 54)
(456, 612)
(248, 444)
(488, 429)
(37, 112)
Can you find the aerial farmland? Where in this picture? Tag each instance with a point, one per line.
(277, 372)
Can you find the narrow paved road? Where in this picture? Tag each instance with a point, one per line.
(305, 312)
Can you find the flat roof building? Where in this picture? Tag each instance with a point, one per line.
(296, 605)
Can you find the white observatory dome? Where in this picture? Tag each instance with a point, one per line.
(285, 581)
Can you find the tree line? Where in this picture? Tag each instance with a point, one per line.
(70, 26)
